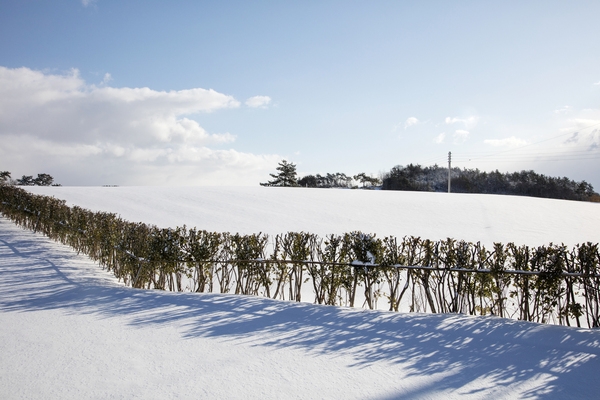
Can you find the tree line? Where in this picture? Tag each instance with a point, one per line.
(287, 176)
(414, 177)
(524, 183)
(27, 180)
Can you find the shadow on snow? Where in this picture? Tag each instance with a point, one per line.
(36, 274)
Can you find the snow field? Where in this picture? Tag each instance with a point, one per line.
(484, 218)
(69, 330)
(273, 210)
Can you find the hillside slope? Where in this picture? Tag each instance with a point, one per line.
(472, 217)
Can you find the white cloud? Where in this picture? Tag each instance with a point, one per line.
(440, 138)
(87, 3)
(107, 78)
(509, 142)
(460, 135)
(597, 83)
(586, 131)
(126, 135)
(582, 123)
(469, 122)
(410, 122)
(563, 110)
(258, 101)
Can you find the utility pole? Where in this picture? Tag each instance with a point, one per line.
(449, 168)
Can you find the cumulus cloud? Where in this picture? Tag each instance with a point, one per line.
(506, 142)
(468, 123)
(410, 122)
(440, 138)
(258, 101)
(460, 135)
(59, 121)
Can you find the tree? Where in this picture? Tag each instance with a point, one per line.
(285, 177)
(26, 180)
(338, 180)
(5, 178)
(43, 180)
(366, 179)
(524, 183)
(309, 181)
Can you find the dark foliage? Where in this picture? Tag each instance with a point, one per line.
(285, 177)
(4, 177)
(547, 284)
(336, 180)
(27, 180)
(524, 183)
(366, 180)
(43, 180)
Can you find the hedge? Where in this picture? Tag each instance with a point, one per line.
(546, 284)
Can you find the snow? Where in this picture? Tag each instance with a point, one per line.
(69, 330)
(247, 210)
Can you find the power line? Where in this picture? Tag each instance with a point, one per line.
(534, 157)
(530, 144)
(592, 153)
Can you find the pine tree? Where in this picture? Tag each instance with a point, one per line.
(26, 180)
(5, 178)
(43, 180)
(365, 179)
(285, 177)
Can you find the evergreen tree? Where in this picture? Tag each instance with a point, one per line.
(5, 178)
(43, 180)
(367, 180)
(285, 177)
(26, 180)
(524, 183)
(29, 180)
(309, 181)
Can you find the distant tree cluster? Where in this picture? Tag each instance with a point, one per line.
(524, 183)
(287, 176)
(335, 180)
(27, 180)
(338, 180)
(435, 179)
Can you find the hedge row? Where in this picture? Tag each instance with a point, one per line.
(547, 284)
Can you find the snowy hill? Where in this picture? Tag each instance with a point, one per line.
(70, 330)
(472, 217)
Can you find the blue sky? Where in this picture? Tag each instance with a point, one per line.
(205, 93)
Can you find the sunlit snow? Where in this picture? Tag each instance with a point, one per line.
(69, 330)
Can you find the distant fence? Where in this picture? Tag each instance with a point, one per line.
(547, 284)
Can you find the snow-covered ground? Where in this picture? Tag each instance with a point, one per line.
(472, 217)
(70, 330)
